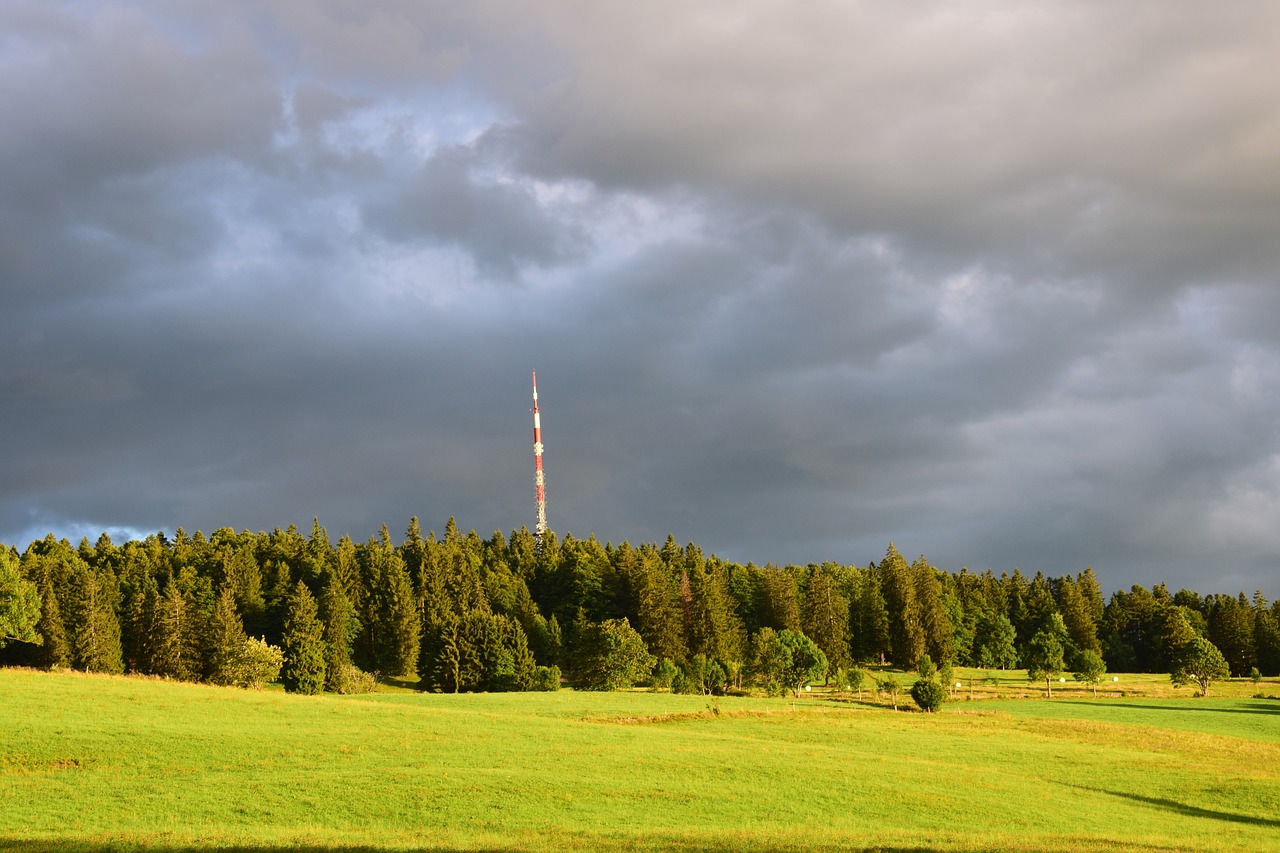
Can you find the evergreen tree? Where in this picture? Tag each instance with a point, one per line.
(906, 626)
(341, 627)
(242, 575)
(55, 647)
(826, 619)
(715, 630)
(1077, 615)
(939, 633)
(396, 615)
(657, 603)
(1266, 637)
(95, 642)
(1231, 630)
(993, 642)
(226, 640)
(303, 644)
(780, 600)
(177, 636)
(869, 621)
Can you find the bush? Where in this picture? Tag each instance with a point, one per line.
(351, 679)
(664, 674)
(928, 694)
(610, 655)
(546, 679)
(255, 664)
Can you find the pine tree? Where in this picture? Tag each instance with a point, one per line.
(303, 644)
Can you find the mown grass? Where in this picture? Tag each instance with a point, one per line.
(89, 763)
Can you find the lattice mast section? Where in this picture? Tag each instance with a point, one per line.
(539, 480)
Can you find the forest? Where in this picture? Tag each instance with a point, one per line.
(465, 613)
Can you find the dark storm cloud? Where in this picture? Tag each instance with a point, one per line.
(996, 281)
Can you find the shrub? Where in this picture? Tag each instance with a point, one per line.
(928, 694)
(256, 663)
(546, 679)
(889, 684)
(610, 655)
(349, 679)
(664, 674)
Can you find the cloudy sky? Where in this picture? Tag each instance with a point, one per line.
(998, 281)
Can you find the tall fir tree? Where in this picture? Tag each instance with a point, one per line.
(177, 636)
(303, 644)
(906, 625)
(341, 626)
(826, 618)
(96, 639)
(226, 639)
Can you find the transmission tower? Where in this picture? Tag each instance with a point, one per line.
(539, 482)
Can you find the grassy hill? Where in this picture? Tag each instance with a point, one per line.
(88, 763)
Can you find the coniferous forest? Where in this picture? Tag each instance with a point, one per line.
(465, 613)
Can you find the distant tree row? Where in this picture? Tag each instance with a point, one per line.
(463, 613)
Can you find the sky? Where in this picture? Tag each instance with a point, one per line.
(997, 281)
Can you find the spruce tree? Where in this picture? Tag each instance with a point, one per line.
(55, 647)
(177, 636)
(303, 644)
(340, 629)
(657, 604)
(906, 626)
(826, 619)
(96, 639)
(226, 640)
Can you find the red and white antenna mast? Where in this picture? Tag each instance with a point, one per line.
(539, 482)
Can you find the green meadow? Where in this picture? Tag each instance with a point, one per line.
(95, 762)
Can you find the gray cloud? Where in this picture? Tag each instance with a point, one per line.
(996, 281)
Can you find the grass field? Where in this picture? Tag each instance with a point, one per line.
(88, 763)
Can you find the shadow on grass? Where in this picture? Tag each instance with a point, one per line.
(1260, 706)
(1185, 809)
(11, 845)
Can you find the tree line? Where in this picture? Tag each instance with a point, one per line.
(465, 613)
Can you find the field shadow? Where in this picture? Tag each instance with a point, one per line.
(1185, 809)
(17, 845)
(1262, 706)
